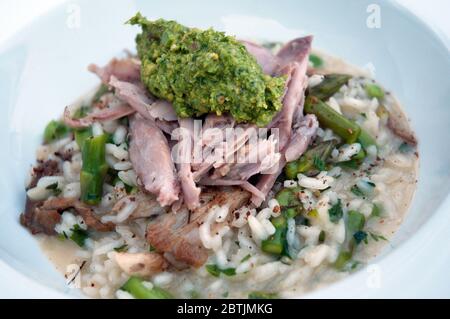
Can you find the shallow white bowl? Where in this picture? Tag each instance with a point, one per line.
(44, 68)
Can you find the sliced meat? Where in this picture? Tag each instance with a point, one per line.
(133, 94)
(141, 264)
(138, 98)
(254, 158)
(268, 62)
(292, 101)
(227, 149)
(42, 216)
(213, 138)
(47, 168)
(105, 114)
(294, 58)
(191, 193)
(266, 183)
(38, 220)
(128, 70)
(303, 135)
(178, 234)
(146, 206)
(163, 110)
(152, 161)
(296, 50)
(399, 125)
(90, 218)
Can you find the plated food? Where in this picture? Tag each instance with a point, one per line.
(213, 167)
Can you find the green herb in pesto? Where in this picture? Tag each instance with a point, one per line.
(202, 72)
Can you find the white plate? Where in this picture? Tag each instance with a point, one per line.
(44, 68)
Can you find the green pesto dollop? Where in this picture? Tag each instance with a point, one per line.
(205, 71)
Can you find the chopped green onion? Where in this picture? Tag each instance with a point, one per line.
(319, 163)
(335, 213)
(377, 237)
(79, 235)
(215, 271)
(355, 190)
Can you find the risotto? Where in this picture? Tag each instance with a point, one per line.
(130, 201)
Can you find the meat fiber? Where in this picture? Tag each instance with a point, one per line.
(178, 234)
(304, 131)
(42, 217)
(138, 98)
(106, 114)
(191, 193)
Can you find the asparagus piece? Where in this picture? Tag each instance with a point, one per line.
(331, 119)
(136, 288)
(330, 85)
(55, 130)
(81, 135)
(366, 140)
(306, 163)
(275, 244)
(94, 169)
